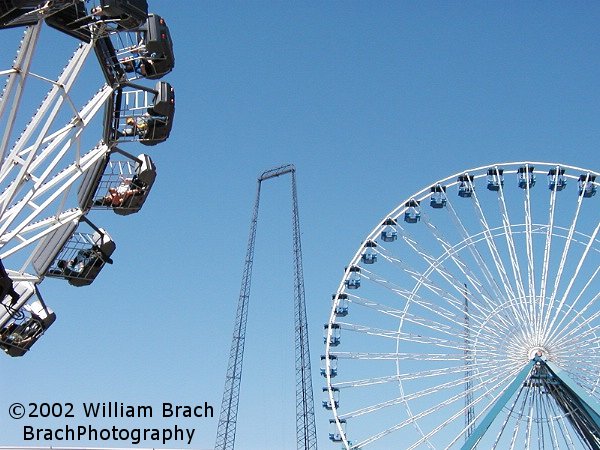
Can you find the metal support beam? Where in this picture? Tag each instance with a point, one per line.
(231, 395)
(306, 432)
(478, 433)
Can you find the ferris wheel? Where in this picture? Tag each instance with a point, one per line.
(70, 123)
(470, 317)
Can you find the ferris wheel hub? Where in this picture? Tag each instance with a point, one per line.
(539, 352)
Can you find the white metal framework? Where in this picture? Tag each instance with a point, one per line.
(453, 295)
(52, 171)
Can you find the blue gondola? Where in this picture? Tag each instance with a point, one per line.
(413, 213)
(587, 185)
(525, 177)
(334, 338)
(556, 179)
(495, 178)
(353, 280)
(332, 371)
(389, 233)
(334, 433)
(465, 186)
(369, 255)
(336, 398)
(341, 309)
(438, 196)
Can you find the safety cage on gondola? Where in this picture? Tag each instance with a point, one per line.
(143, 52)
(24, 317)
(119, 181)
(76, 251)
(138, 113)
(146, 52)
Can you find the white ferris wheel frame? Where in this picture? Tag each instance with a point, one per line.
(511, 274)
(30, 166)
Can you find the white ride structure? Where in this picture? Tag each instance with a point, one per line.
(469, 317)
(61, 144)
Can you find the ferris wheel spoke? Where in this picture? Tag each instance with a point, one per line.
(427, 412)
(366, 382)
(443, 424)
(517, 313)
(522, 313)
(52, 189)
(434, 265)
(399, 356)
(570, 330)
(491, 244)
(452, 327)
(430, 341)
(581, 340)
(462, 267)
(582, 260)
(417, 395)
(448, 314)
(474, 250)
(547, 250)
(510, 242)
(437, 266)
(507, 418)
(452, 418)
(457, 305)
(530, 256)
(48, 110)
(562, 264)
(553, 423)
(483, 368)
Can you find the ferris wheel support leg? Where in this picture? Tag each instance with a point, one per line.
(587, 402)
(480, 430)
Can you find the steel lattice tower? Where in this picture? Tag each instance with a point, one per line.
(306, 434)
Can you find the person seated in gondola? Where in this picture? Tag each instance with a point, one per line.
(20, 335)
(78, 266)
(135, 127)
(120, 195)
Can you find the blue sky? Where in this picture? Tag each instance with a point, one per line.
(371, 102)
